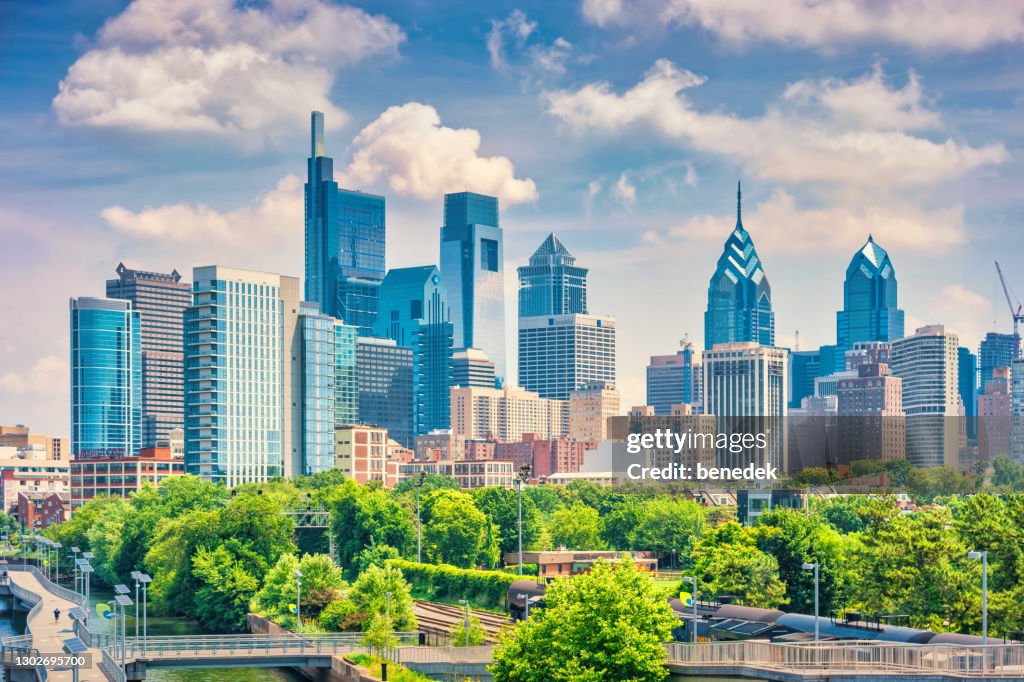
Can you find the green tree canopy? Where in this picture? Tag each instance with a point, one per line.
(576, 527)
(501, 506)
(728, 562)
(456, 532)
(369, 594)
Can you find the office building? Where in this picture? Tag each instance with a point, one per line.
(345, 235)
(698, 449)
(472, 265)
(870, 311)
(745, 387)
(967, 386)
(590, 406)
(994, 416)
(122, 476)
(160, 299)
(469, 474)
(995, 350)
(561, 353)
(867, 353)
(505, 414)
(384, 387)
(439, 445)
(1017, 410)
(805, 367)
(472, 367)
(106, 378)
(739, 295)
(928, 363)
(413, 310)
(19, 436)
(243, 376)
(673, 379)
(870, 410)
(552, 283)
(361, 452)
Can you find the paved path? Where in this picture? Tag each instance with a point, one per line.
(47, 635)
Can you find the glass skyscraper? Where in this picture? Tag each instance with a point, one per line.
(160, 299)
(967, 385)
(559, 354)
(384, 377)
(472, 264)
(318, 394)
(995, 350)
(870, 311)
(106, 378)
(670, 380)
(739, 295)
(804, 368)
(344, 241)
(413, 310)
(552, 284)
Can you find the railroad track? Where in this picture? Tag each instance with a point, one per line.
(440, 618)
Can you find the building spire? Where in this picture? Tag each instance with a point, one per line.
(739, 204)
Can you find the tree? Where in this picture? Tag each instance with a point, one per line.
(607, 624)
(841, 513)
(620, 524)
(379, 636)
(369, 594)
(501, 506)
(728, 562)
(375, 555)
(578, 527)
(456, 532)
(545, 497)
(322, 584)
(474, 637)
(669, 525)
(342, 616)
(1007, 474)
(361, 517)
(225, 589)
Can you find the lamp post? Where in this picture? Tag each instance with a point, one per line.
(56, 562)
(521, 478)
(420, 480)
(145, 580)
(298, 600)
(113, 607)
(817, 583)
(135, 577)
(465, 602)
(984, 592)
(693, 579)
(86, 570)
(76, 551)
(387, 599)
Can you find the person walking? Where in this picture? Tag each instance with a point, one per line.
(56, 615)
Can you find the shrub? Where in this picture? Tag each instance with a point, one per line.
(448, 583)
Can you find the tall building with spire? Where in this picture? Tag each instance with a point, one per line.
(739, 295)
(870, 311)
(552, 283)
(344, 255)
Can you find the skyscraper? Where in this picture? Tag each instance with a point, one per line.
(739, 295)
(384, 378)
(345, 235)
(472, 367)
(560, 353)
(870, 311)
(870, 408)
(243, 376)
(413, 310)
(506, 414)
(106, 378)
(1017, 410)
(552, 283)
(967, 386)
(928, 363)
(996, 350)
(472, 264)
(671, 380)
(160, 299)
(804, 368)
(590, 407)
(994, 410)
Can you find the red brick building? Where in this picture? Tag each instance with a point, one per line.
(121, 476)
(39, 510)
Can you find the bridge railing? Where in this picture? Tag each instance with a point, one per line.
(287, 644)
(62, 592)
(110, 668)
(448, 654)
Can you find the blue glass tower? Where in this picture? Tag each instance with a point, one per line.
(739, 295)
(344, 241)
(413, 310)
(967, 385)
(552, 283)
(870, 311)
(106, 378)
(996, 350)
(472, 257)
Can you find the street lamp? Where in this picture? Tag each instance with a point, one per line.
(76, 551)
(693, 579)
(298, 599)
(124, 601)
(135, 577)
(814, 567)
(420, 480)
(56, 561)
(145, 580)
(984, 592)
(521, 478)
(387, 598)
(86, 570)
(465, 602)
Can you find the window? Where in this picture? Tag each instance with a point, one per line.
(489, 255)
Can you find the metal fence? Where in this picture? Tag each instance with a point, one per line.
(110, 668)
(62, 592)
(451, 654)
(286, 644)
(992, 659)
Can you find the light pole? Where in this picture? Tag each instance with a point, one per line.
(75, 551)
(693, 579)
(86, 570)
(298, 600)
(817, 582)
(135, 577)
(522, 477)
(984, 592)
(56, 561)
(113, 607)
(145, 580)
(465, 602)
(387, 598)
(121, 597)
(420, 480)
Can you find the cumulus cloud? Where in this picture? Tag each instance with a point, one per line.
(624, 189)
(45, 379)
(960, 25)
(409, 148)
(818, 131)
(517, 27)
(219, 67)
(963, 311)
(514, 47)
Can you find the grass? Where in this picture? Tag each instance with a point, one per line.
(396, 672)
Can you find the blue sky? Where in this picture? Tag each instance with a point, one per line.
(173, 134)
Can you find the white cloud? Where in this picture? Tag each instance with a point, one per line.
(45, 379)
(690, 178)
(819, 131)
(517, 27)
(514, 47)
(419, 157)
(217, 67)
(624, 189)
(963, 311)
(960, 25)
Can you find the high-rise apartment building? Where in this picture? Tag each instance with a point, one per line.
(745, 387)
(994, 415)
(472, 264)
(561, 353)
(345, 234)
(472, 367)
(739, 295)
(870, 415)
(995, 350)
(552, 283)
(413, 310)
(106, 378)
(870, 307)
(867, 353)
(243, 376)
(928, 363)
(505, 414)
(590, 406)
(673, 379)
(1017, 410)
(385, 387)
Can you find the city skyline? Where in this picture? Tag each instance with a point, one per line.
(555, 126)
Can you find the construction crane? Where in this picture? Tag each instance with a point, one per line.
(1017, 314)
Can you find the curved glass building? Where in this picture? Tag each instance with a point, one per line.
(106, 378)
(869, 300)
(739, 295)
